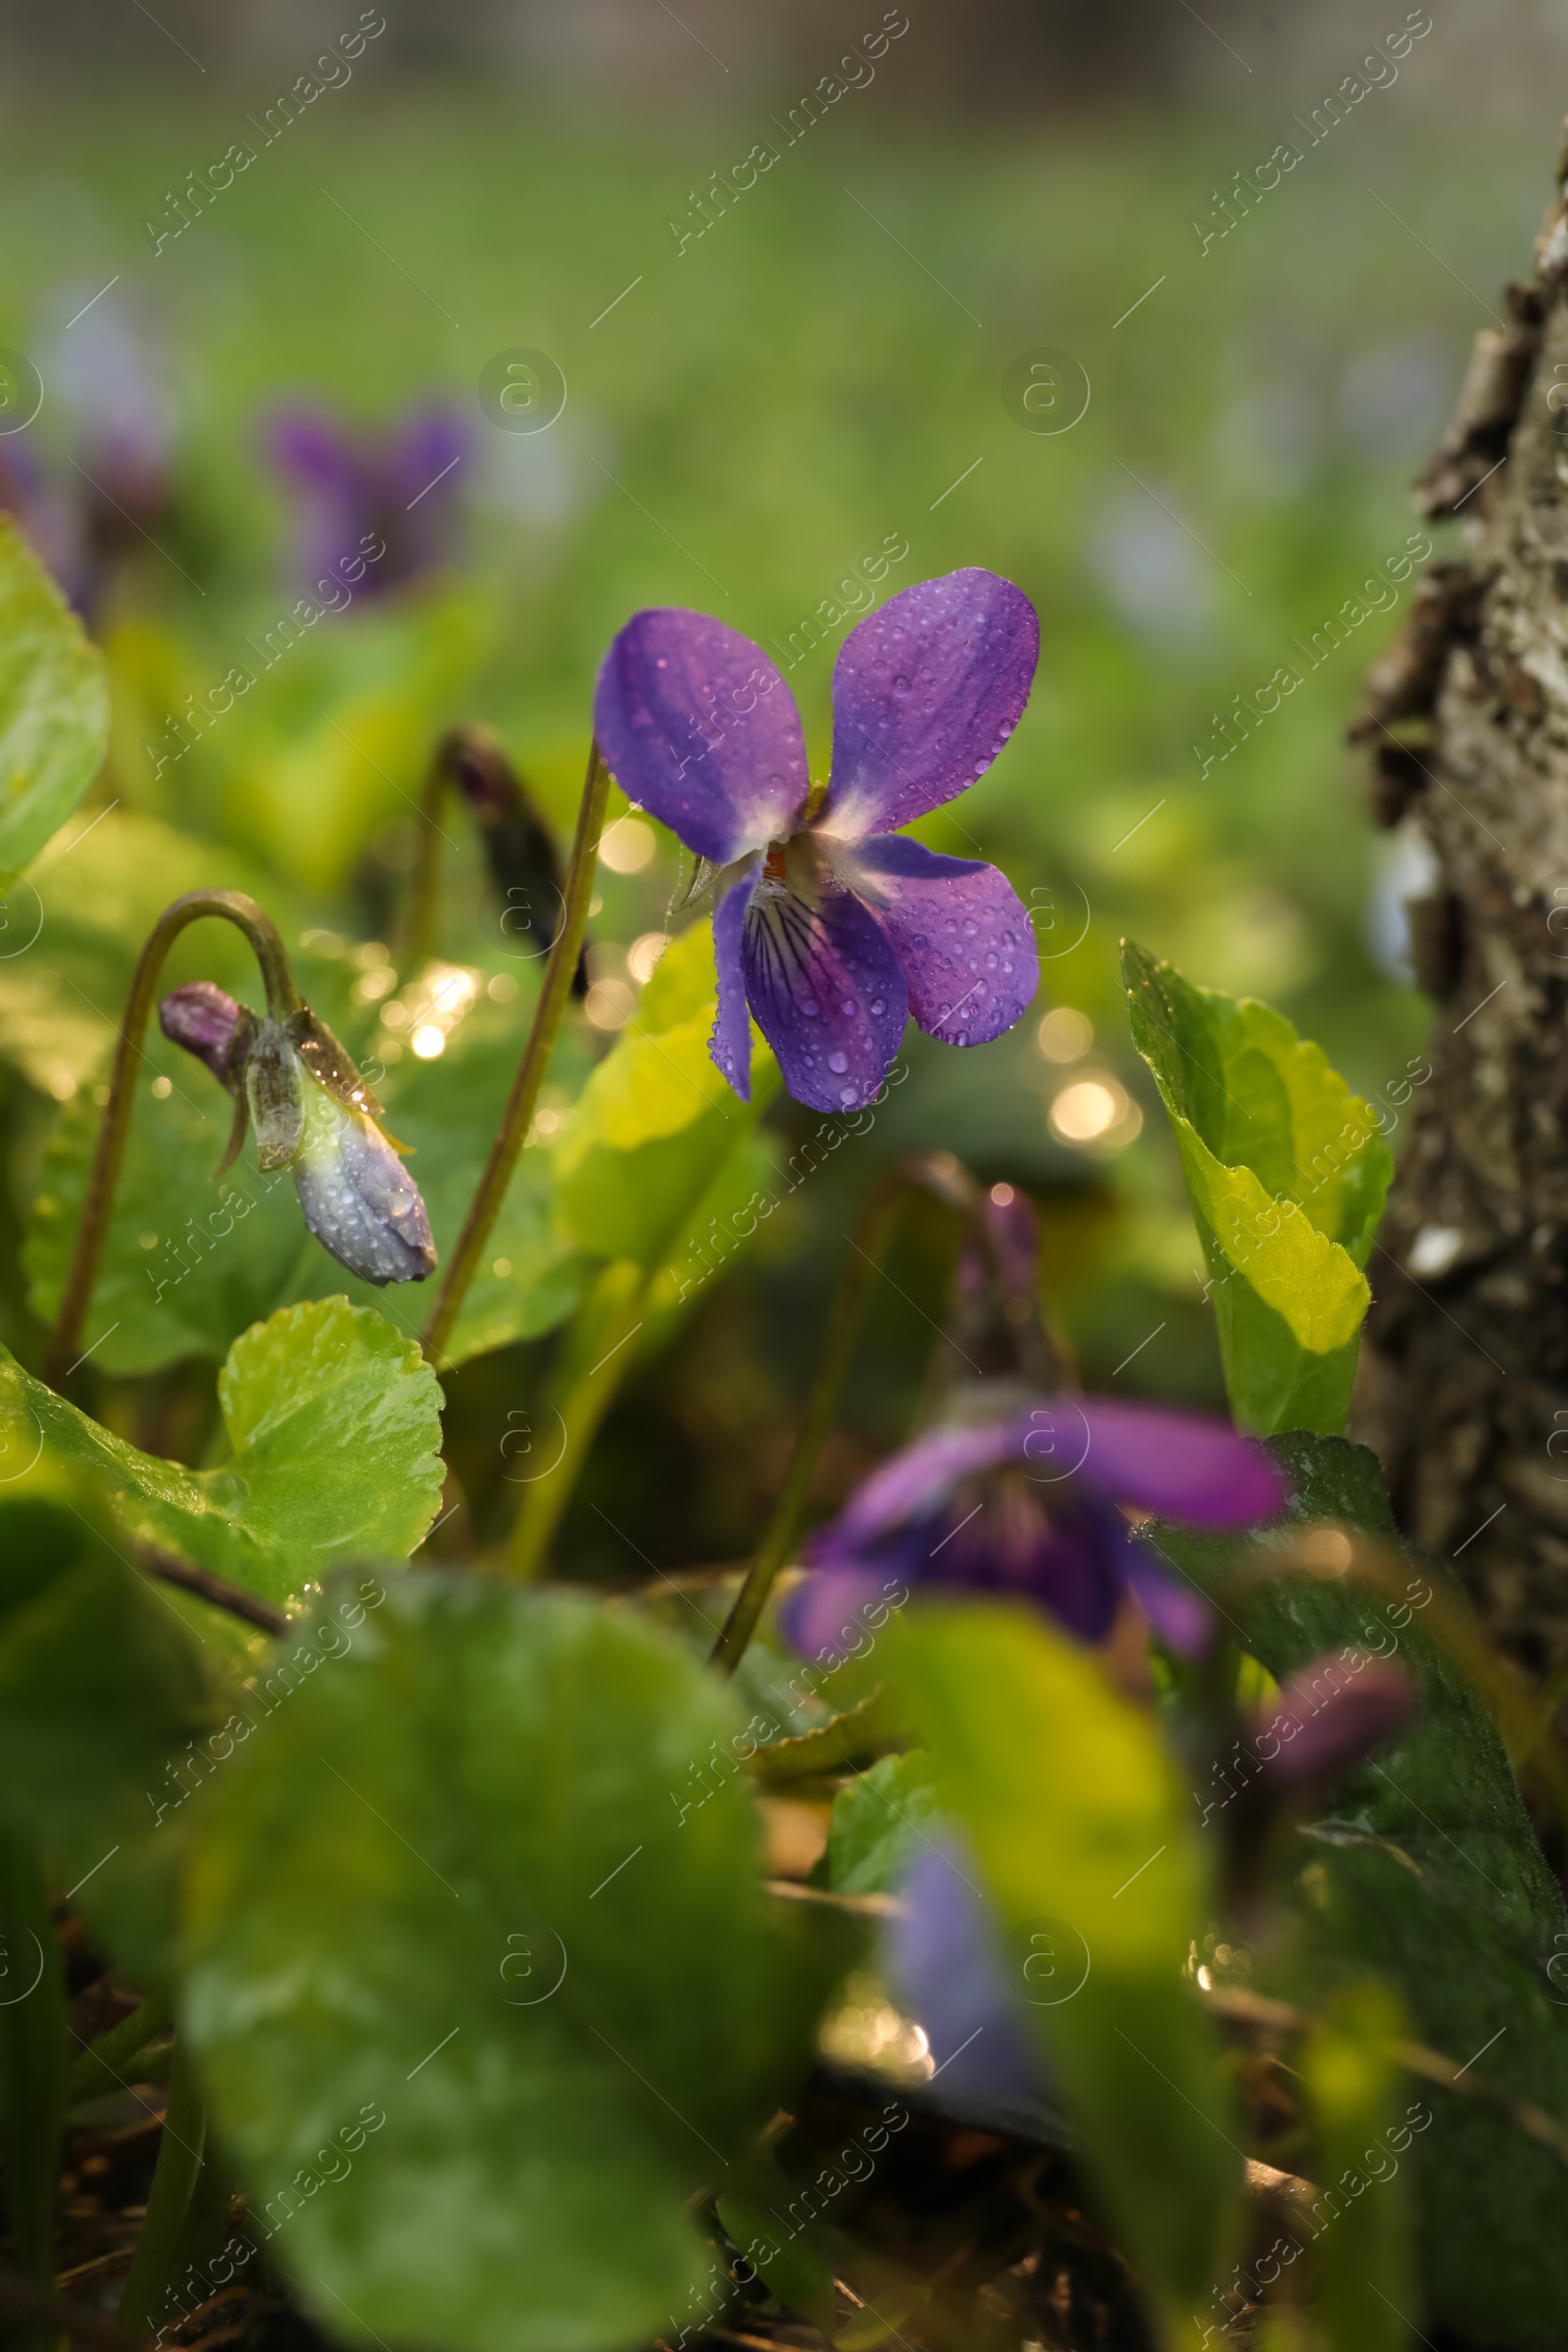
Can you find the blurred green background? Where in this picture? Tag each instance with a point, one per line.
(819, 374)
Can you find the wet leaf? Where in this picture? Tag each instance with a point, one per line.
(447, 2036)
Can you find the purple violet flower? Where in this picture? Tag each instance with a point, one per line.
(829, 925)
(947, 1966)
(1027, 1505)
(358, 490)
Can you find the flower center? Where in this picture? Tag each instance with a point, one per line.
(774, 870)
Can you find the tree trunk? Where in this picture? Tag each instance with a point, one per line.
(1464, 1390)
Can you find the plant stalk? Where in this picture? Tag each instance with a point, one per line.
(98, 2069)
(596, 1359)
(867, 1243)
(418, 928)
(282, 997)
(33, 2064)
(518, 1117)
(174, 2177)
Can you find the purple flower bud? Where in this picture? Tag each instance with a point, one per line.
(357, 1198)
(1329, 1716)
(204, 1020)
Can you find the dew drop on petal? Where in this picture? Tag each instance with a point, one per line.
(878, 1006)
(838, 1063)
(810, 1007)
(847, 1096)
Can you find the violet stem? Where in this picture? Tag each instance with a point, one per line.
(282, 999)
(518, 1117)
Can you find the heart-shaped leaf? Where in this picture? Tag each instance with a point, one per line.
(334, 1419)
(480, 2008)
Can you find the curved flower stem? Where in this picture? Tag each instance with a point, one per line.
(282, 999)
(937, 1172)
(518, 1117)
(174, 2177)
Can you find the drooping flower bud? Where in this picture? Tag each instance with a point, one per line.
(209, 1024)
(1332, 1715)
(314, 1114)
(357, 1198)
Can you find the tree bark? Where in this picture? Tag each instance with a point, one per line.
(1464, 1388)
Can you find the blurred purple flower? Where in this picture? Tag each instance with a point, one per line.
(827, 924)
(1027, 1506)
(356, 487)
(946, 1967)
(1329, 1716)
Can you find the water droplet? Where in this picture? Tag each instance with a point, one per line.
(990, 963)
(878, 1007)
(838, 1063)
(849, 1005)
(810, 1007)
(847, 1096)
(901, 684)
(970, 928)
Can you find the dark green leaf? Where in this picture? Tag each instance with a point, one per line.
(458, 1960)
(104, 1687)
(1427, 1871)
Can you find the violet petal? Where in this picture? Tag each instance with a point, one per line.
(202, 1018)
(821, 1615)
(731, 1041)
(697, 725)
(912, 1485)
(959, 931)
(1183, 1465)
(827, 990)
(1178, 1612)
(926, 692)
(945, 1964)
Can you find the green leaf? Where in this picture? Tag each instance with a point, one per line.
(103, 1682)
(1085, 1835)
(657, 1120)
(1286, 1172)
(1428, 1872)
(334, 1420)
(792, 2270)
(446, 1891)
(880, 1824)
(54, 706)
